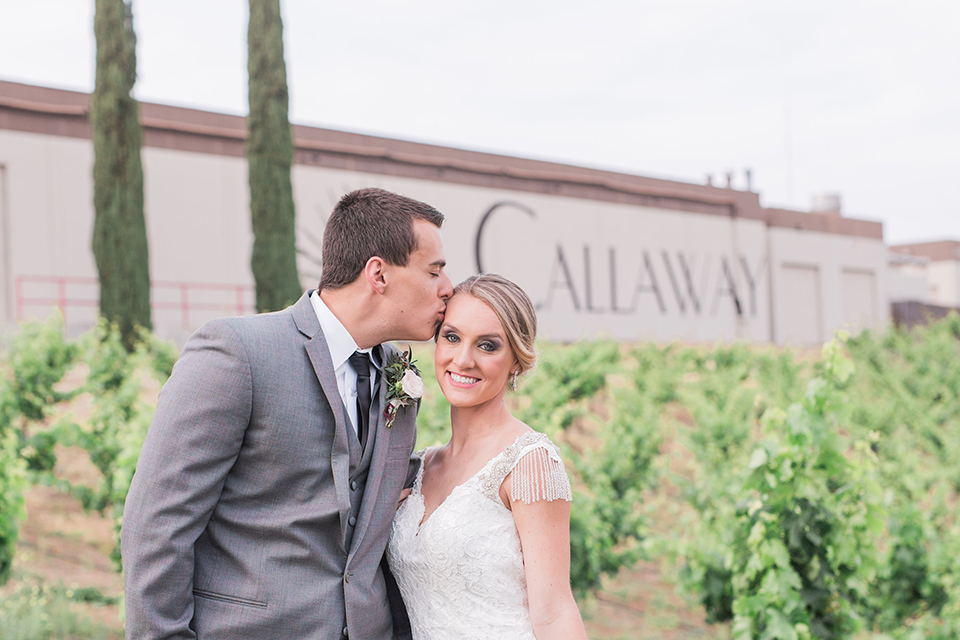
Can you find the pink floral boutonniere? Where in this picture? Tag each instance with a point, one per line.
(404, 385)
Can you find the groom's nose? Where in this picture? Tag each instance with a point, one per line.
(446, 287)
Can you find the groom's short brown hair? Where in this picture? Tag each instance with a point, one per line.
(366, 223)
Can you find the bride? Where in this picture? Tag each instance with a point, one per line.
(481, 547)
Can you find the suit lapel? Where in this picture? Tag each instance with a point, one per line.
(319, 354)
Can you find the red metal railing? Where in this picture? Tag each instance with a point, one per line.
(65, 292)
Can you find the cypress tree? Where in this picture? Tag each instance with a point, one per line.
(269, 157)
(119, 229)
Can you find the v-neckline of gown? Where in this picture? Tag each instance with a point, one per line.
(424, 519)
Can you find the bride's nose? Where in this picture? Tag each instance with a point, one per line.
(463, 357)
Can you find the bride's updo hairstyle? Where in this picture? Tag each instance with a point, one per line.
(514, 309)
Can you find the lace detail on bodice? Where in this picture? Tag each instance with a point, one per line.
(461, 572)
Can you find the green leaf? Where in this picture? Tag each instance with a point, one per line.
(758, 458)
(778, 627)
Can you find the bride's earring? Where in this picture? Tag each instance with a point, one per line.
(513, 381)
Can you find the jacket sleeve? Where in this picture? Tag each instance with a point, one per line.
(193, 441)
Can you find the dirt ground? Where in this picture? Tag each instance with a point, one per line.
(62, 545)
(639, 603)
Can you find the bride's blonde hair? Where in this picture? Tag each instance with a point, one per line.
(514, 309)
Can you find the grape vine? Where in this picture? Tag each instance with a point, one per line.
(816, 493)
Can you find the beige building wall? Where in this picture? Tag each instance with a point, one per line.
(197, 225)
(601, 254)
(823, 282)
(6, 282)
(945, 282)
(47, 213)
(942, 267)
(592, 268)
(909, 280)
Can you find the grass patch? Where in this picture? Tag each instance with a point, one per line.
(39, 611)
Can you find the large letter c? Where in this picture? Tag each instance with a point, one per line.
(486, 217)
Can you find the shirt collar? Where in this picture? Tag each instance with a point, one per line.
(339, 341)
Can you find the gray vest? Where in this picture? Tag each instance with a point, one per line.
(360, 464)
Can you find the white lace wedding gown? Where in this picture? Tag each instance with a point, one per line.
(461, 572)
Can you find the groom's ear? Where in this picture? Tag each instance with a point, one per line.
(375, 273)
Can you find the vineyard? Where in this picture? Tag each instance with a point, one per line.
(775, 494)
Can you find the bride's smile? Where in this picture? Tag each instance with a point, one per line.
(462, 381)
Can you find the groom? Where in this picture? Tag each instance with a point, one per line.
(269, 477)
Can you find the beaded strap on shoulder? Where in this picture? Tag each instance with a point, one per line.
(539, 475)
(539, 472)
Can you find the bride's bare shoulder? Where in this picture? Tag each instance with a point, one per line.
(429, 454)
(518, 428)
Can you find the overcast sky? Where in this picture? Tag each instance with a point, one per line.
(860, 98)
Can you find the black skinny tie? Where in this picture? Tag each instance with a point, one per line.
(361, 364)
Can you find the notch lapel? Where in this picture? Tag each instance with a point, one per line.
(319, 354)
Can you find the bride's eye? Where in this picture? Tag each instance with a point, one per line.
(489, 347)
(451, 337)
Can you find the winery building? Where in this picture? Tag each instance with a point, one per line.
(602, 254)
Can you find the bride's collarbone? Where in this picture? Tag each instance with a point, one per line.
(473, 454)
(451, 469)
(443, 475)
(445, 471)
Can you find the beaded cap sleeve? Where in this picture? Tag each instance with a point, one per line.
(537, 471)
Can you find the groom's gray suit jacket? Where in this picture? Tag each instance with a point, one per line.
(252, 513)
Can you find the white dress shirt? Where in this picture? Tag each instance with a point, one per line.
(342, 345)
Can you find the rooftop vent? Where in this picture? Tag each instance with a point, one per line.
(826, 202)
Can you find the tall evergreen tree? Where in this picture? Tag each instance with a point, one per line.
(119, 229)
(269, 156)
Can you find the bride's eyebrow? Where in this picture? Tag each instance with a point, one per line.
(486, 336)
